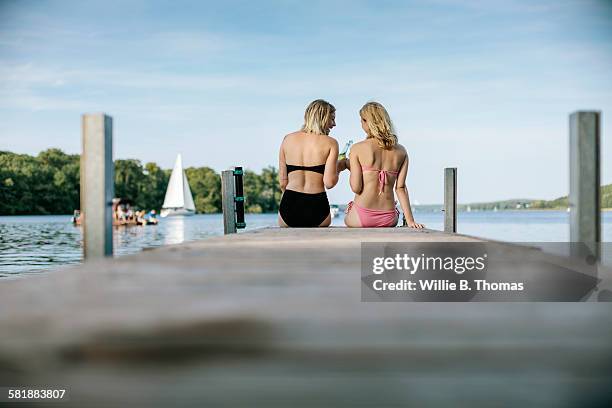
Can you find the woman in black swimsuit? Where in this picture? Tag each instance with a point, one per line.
(307, 166)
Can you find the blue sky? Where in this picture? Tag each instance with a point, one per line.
(485, 86)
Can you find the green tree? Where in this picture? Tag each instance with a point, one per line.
(50, 184)
(205, 184)
(129, 181)
(154, 189)
(46, 184)
(252, 188)
(606, 196)
(16, 171)
(270, 193)
(262, 192)
(63, 191)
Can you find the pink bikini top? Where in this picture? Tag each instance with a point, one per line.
(382, 176)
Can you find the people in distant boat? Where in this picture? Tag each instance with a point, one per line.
(307, 166)
(153, 216)
(378, 166)
(124, 214)
(139, 215)
(129, 212)
(121, 215)
(150, 217)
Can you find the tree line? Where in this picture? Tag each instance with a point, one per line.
(49, 183)
(605, 200)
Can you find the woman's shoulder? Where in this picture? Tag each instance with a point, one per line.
(362, 148)
(331, 140)
(401, 152)
(301, 133)
(292, 138)
(360, 145)
(326, 140)
(400, 149)
(293, 135)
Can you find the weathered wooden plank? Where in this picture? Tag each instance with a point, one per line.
(273, 317)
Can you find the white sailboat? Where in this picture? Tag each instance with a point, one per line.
(178, 200)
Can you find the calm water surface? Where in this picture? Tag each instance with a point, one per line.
(31, 244)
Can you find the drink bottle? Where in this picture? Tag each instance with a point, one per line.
(342, 154)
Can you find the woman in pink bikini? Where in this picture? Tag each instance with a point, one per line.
(376, 165)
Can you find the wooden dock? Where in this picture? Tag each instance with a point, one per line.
(274, 317)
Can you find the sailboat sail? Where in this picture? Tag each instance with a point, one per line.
(187, 197)
(178, 194)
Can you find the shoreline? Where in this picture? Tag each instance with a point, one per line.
(270, 213)
(512, 209)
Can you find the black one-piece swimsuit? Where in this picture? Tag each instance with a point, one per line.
(303, 210)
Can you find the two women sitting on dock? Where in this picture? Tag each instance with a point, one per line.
(308, 164)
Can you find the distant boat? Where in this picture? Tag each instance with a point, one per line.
(178, 200)
(123, 217)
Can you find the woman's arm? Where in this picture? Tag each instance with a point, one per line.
(283, 178)
(330, 176)
(343, 165)
(356, 179)
(402, 195)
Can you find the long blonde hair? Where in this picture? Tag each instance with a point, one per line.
(379, 124)
(317, 117)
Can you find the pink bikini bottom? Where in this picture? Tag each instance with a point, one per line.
(374, 218)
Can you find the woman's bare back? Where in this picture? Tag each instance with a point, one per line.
(306, 149)
(371, 158)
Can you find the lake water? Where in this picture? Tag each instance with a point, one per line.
(31, 244)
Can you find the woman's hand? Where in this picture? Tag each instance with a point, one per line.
(414, 224)
(343, 165)
(283, 183)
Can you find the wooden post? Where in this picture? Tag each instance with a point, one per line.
(227, 201)
(97, 185)
(239, 197)
(450, 199)
(584, 140)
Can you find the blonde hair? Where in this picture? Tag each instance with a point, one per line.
(317, 117)
(379, 124)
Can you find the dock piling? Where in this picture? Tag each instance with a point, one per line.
(97, 185)
(232, 200)
(450, 199)
(228, 189)
(584, 200)
(239, 197)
